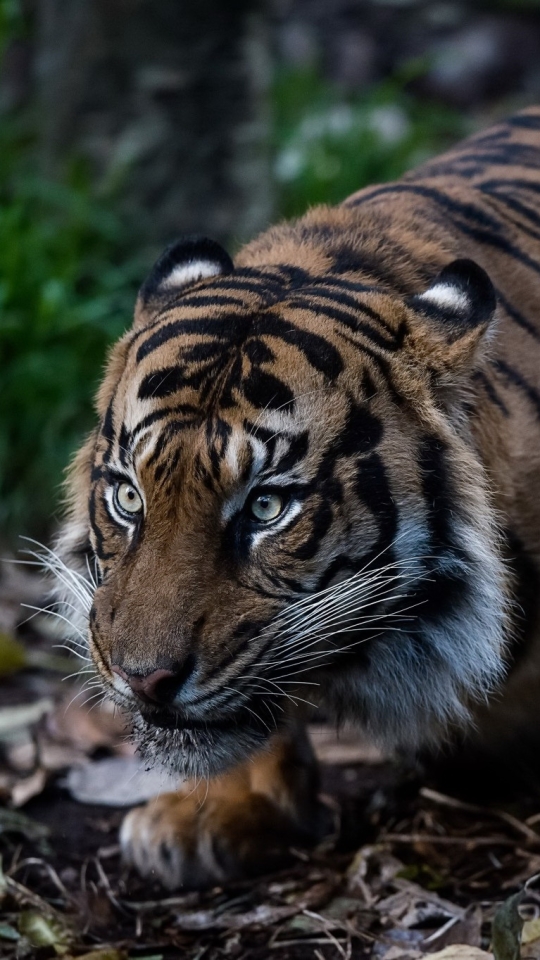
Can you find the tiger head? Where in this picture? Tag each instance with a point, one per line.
(283, 503)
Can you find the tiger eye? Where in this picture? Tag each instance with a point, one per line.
(128, 499)
(266, 507)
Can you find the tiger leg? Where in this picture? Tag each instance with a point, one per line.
(237, 825)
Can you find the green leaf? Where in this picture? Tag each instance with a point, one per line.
(44, 931)
(507, 926)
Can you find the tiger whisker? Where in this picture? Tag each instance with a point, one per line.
(345, 585)
(350, 627)
(311, 658)
(54, 613)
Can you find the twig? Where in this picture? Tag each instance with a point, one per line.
(458, 841)
(301, 941)
(446, 801)
(329, 934)
(38, 862)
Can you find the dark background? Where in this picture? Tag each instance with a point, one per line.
(124, 123)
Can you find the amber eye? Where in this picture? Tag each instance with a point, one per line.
(265, 507)
(127, 499)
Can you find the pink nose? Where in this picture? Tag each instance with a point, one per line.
(149, 688)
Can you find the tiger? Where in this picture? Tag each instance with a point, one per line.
(314, 485)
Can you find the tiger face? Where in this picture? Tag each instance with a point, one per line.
(283, 506)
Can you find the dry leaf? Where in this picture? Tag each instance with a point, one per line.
(344, 746)
(411, 905)
(371, 870)
(461, 951)
(118, 782)
(531, 931)
(398, 944)
(530, 940)
(24, 789)
(16, 721)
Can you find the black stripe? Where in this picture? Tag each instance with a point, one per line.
(510, 183)
(516, 205)
(263, 389)
(319, 352)
(516, 316)
(373, 489)
(448, 203)
(481, 378)
(161, 383)
(343, 300)
(216, 328)
(298, 448)
(525, 122)
(436, 489)
(517, 380)
(321, 522)
(352, 322)
(361, 432)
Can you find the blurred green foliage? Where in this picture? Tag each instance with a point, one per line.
(329, 145)
(67, 287)
(68, 274)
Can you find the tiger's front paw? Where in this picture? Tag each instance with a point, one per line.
(183, 840)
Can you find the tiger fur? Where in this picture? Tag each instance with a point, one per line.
(369, 375)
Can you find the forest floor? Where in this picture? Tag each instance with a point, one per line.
(407, 871)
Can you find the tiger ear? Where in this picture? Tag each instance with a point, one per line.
(452, 317)
(184, 262)
(461, 298)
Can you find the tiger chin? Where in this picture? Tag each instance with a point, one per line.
(313, 483)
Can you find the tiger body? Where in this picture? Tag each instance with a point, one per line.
(316, 479)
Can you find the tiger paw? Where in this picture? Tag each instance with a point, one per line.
(182, 840)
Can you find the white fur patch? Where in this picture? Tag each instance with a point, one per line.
(190, 272)
(447, 297)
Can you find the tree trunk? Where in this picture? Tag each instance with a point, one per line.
(167, 101)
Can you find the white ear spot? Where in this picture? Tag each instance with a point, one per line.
(447, 297)
(190, 272)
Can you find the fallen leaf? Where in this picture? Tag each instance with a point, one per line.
(411, 905)
(15, 721)
(371, 870)
(507, 927)
(264, 915)
(468, 929)
(398, 944)
(344, 746)
(42, 931)
(530, 940)
(460, 951)
(531, 931)
(24, 789)
(118, 782)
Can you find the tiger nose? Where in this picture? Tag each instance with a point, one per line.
(160, 686)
